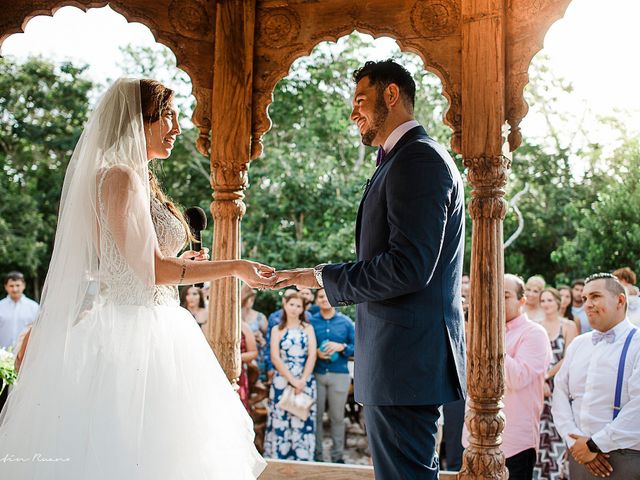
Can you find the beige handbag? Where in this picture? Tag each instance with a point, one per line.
(298, 405)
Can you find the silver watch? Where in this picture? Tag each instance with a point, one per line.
(317, 271)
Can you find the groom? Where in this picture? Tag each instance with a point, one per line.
(409, 348)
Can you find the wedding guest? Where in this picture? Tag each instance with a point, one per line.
(596, 401)
(626, 277)
(17, 314)
(248, 353)
(527, 358)
(206, 291)
(465, 284)
(565, 302)
(561, 333)
(465, 292)
(272, 321)
(309, 297)
(256, 320)
(633, 307)
(192, 299)
(577, 308)
(293, 354)
(257, 323)
(628, 280)
(335, 336)
(17, 311)
(533, 288)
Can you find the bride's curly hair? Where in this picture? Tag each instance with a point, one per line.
(155, 98)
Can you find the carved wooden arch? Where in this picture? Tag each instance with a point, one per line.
(527, 23)
(186, 27)
(286, 33)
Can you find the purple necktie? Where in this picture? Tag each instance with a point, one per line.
(608, 337)
(380, 156)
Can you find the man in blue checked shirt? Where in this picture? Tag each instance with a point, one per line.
(335, 335)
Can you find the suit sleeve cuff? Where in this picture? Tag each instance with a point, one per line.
(330, 274)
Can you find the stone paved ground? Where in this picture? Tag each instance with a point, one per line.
(356, 450)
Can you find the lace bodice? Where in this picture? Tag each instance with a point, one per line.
(119, 283)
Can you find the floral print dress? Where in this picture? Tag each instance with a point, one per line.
(288, 437)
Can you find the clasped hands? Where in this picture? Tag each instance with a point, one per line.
(260, 276)
(596, 463)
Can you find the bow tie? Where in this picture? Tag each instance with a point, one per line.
(608, 337)
(380, 156)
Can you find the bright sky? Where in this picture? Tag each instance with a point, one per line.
(593, 47)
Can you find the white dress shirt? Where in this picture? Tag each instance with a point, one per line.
(14, 318)
(397, 134)
(633, 312)
(585, 389)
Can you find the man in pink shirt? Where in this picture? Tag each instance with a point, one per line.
(528, 355)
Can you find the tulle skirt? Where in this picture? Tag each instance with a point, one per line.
(141, 397)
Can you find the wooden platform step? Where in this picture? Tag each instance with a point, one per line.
(289, 470)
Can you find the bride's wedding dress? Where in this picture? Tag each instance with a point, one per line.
(138, 393)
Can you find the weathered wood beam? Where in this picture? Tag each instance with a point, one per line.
(230, 153)
(483, 116)
(279, 469)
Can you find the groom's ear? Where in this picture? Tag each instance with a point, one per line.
(392, 95)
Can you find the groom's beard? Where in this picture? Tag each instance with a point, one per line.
(381, 113)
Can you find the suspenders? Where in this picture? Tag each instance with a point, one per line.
(623, 357)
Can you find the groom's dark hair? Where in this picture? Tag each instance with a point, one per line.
(385, 72)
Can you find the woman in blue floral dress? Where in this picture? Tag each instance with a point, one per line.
(293, 354)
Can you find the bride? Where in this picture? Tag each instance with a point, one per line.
(118, 381)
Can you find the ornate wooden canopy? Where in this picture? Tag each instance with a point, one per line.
(235, 51)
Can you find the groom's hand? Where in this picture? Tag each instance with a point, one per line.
(300, 277)
(254, 274)
(600, 466)
(580, 450)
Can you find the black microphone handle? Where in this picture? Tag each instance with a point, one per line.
(197, 246)
(197, 243)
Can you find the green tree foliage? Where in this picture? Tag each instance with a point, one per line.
(557, 189)
(607, 230)
(42, 111)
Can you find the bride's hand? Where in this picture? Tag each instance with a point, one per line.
(196, 255)
(254, 274)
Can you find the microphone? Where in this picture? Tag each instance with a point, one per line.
(197, 220)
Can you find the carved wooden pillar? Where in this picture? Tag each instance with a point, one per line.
(483, 114)
(230, 154)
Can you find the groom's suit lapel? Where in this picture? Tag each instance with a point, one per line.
(384, 166)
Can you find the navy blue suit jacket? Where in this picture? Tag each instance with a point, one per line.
(410, 347)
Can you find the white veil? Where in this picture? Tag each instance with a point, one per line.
(113, 137)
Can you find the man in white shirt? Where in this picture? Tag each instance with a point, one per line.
(17, 311)
(596, 400)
